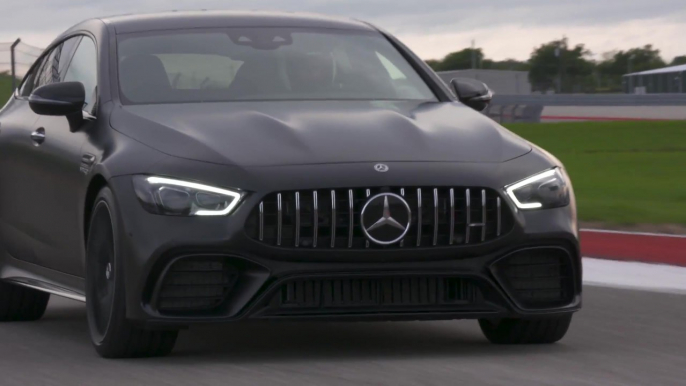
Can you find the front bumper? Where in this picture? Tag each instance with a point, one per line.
(151, 243)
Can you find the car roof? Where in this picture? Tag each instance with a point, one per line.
(217, 19)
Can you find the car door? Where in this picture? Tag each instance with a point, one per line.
(59, 160)
(46, 160)
(18, 237)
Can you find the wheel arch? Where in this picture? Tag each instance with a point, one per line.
(96, 184)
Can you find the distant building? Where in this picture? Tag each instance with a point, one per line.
(502, 82)
(668, 80)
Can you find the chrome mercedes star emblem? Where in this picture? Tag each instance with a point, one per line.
(386, 228)
(381, 168)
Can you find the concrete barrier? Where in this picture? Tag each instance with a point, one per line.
(587, 107)
(612, 113)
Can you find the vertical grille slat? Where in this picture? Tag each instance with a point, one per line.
(280, 219)
(333, 219)
(315, 218)
(261, 235)
(447, 216)
(297, 219)
(368, 193)
(483, 215)
(402, 193)
(468, 212)
(452, 216)
(351, 221)
(498, 209)
(435, 239)
(419, 217)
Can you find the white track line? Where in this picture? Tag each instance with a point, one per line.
(633, 233)
(632, 275)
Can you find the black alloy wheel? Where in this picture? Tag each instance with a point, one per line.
(113, 335)
(101, 269)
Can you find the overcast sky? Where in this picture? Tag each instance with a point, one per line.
(432, 28)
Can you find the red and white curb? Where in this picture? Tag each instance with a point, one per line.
(634, 260)
(634, 246)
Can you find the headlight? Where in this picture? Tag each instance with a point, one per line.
(181, 198)
(548, 189)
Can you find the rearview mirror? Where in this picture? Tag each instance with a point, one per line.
(60, 99)
(472, 93)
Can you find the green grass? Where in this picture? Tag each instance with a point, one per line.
(622, 172)
(5, 88)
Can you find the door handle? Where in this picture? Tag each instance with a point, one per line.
(38, 136)
(88, 159)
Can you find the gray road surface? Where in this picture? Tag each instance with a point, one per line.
(620, 338)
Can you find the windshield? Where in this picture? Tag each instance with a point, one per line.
(264, 64)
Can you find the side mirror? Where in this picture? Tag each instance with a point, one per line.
(472, 93)
(60, 99)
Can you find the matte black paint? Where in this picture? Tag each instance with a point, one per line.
(258, 147)
(308, 132)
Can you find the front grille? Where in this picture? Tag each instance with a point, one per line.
(373, 294)
(195, 284)
(538, 277)
(331, 218)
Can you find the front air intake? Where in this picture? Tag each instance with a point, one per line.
(538, 278)
(371, 295)
(195, 285)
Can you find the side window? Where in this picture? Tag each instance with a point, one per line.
(68, 48)
(50, 67)
(31, 80)
(49, 70)
(26, 87)
(84, 68)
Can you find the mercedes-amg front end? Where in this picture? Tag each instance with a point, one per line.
(245, 166)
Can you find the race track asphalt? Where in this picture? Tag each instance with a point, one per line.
(621, 337)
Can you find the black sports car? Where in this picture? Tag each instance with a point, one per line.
(181, 168)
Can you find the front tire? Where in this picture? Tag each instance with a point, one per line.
(526, 331)
(113, 335)
(21, 304)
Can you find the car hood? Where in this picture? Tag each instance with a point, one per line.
(316, 132)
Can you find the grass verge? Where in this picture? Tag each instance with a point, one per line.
(5, 88)
(622, 172)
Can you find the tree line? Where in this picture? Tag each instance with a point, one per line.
(558, 66)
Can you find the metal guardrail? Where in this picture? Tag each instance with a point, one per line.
(591, 100)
